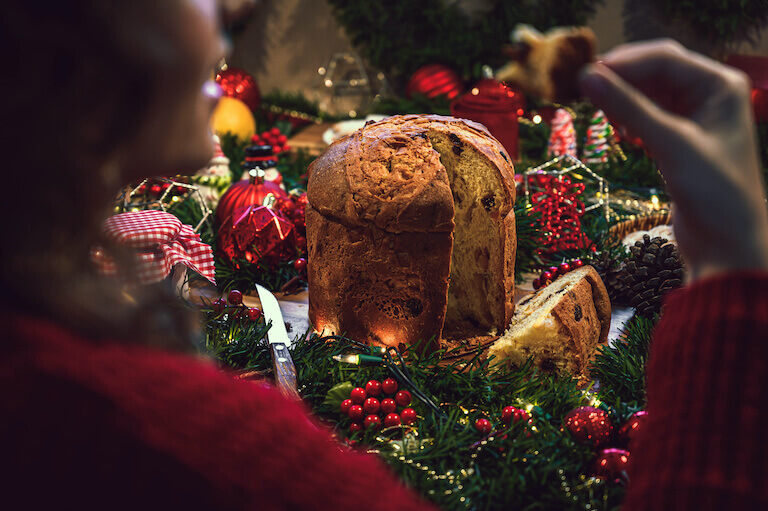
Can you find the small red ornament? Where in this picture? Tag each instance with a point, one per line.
(219, 306)
(512, 414)
(536, 283)
(372, 421)
(589, 425)
(628, 432)
(483, 426)
(371, 405)
(258, 235)
(248, 192)
(373, 388)
(155, 190)
(435, 80)
(611, 464)
(577, 263)
(408, 415)
(358, 395)
(356, 412)
(237, 83)
(403, 398)
(563, 268)
(546, 276)
(254, 313)
(300, 264)
(355, 427)
(345, 406)
(389, 386)
(235, 297)
(391, 420)
(388, 405)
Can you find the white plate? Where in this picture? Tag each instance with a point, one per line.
(342, 128)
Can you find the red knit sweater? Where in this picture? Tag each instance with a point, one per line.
(101, 425)
(127, 427)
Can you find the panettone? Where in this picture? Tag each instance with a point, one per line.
(396, 210)
(560, 325)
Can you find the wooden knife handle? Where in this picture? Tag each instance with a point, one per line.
(285, 371)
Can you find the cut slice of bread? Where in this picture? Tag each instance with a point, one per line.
(559, 326)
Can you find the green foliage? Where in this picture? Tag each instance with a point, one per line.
(234, 149)
(716, 20)
(248, 275)
(417, 104)
(528, 231)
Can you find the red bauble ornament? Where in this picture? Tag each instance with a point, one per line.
(248, 192)
(536, 283)
(345, 406)
(371, 405)
(388, 405)
(483, 426)
(628, 432)
(589, 424)
(577, 263)
(372, 421)
(235, 297)
(356, 412)
(358, 395)
(259, 235)
(300, 265)
(237, 83)
(435, 80)
(403, 398)
(563, 268)
(355, 427)
(611, 464)
(373, 388)
(512, 414)
(389, 386)
(391, 420)
(408, 415)
(254, 313)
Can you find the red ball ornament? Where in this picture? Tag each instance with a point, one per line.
(372, 421)
(577, 263)
(388, 405)
(403, 398)
(373, 388)
(435, 80)
(512, 414)
(389, 386)
(248, 192)
(258, 235)
(219, 306)
(371, 405)
(300, 265)
(391, 420)
(589, 425)
(408, 415)
(254, 313)
(358, 395)
(355, 427)
(536, 283)
(237, 83)
(345, 406)
(628, 432)
(546, 276)
(563, 268)
(611, 464)
(356, 412)
(483, 426)
(235, 297)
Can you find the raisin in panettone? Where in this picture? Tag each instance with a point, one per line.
(399, 209)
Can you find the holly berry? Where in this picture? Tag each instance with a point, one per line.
(483, 426)
(577, 263)
(372, 421)
(345, 406)
(403, 398)
(552, 270)
(391, 420)
(300, 264)
(358, 395)
(219, 306)
(235, 297)
(536, 283)
(275, 132)
(511, 414)
(254, 313)
(373, 388)
(371, 405)
(356, 412)
(563, 268)
(408, 415)
(388, 405)
(545, 276)
(355, 427)
(389, 386)
(155, 190)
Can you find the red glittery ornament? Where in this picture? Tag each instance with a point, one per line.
(237, 83)
(611, 464)
(435, 80)
(558, 201)
(589, 425)
(628, 432)
(257, 234)
(249, 192)
(483, 426)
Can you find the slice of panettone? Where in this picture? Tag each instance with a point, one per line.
(560, 325)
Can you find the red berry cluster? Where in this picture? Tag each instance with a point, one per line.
(551, 273)
(274, 138)
(293, 208)
(558, 201)
(154, 188)
(509, 415)
(234, 308)
(378, 399)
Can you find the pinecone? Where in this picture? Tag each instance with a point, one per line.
(653, 269)
(610, 270)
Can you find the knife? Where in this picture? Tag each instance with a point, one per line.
(279, 342)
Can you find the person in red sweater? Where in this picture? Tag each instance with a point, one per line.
(704, 444)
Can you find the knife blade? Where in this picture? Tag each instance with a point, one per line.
(279, 342)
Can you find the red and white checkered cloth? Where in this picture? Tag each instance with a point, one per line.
(160, 241)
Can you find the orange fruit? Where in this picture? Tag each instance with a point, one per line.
(233, 116)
